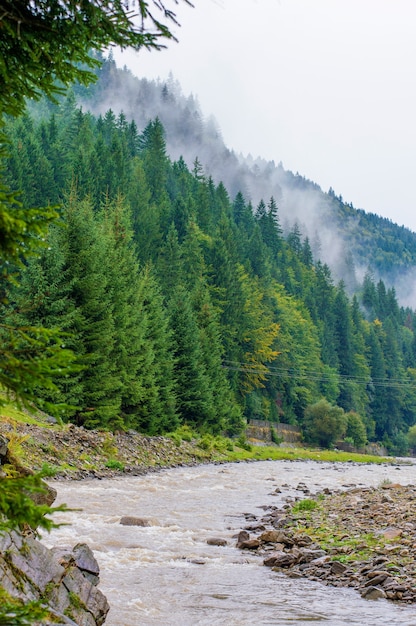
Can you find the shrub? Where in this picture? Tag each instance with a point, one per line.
(411, 436)
(324, 423)
(275, 437)
(356, 430)
(185, 433)
(400, 444)
(243, 443)
(305, 505)
(114, 464)
(207, 442)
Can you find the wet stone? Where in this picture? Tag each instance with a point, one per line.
(338, 568)
(216, 541)
(373, 593)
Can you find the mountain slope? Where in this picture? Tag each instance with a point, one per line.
(183, 306)
(351, 241)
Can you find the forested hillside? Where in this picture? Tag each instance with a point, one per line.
(352, 242)
(184, 305)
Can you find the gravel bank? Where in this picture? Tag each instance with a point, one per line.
(363, 538)
(76, 453)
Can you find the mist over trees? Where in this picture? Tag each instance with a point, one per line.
(183, 304)
(351, 241)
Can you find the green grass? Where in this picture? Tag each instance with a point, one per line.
(114, 464)
(10, 411)
(305, 505)
(273, 453)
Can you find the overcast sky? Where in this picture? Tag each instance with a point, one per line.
(328, 87)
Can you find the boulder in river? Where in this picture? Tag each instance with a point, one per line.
(130, 520)
(216, 541)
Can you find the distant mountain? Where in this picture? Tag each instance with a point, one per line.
(352, 241)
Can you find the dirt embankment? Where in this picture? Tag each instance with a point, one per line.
(76, 453)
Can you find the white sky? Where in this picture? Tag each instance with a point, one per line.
(328, 87)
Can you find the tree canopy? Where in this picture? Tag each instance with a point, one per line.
(45, 46)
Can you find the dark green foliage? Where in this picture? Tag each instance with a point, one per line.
(46, 44)
(193, 391)
(324, 424)
(182, 306)
(356, 429)
(161, 410)
(17, 508)
(400, 444)
(16, 614)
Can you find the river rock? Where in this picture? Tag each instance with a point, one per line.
(391, 533)
(85, 559)
(338, 568)
(47, 496)
(305, 556)
(30, 571)
(129, 520)
(271, 536)
(279, 559)
(242, 536)
(377, 580)
(249, 544)
(276, 536)
(216, 541)
(373, 593)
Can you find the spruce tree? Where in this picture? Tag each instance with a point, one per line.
(193, 391)
(161, 409)
(132, 356)
(87, 270)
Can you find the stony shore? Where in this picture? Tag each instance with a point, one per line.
(65, 579)
(75, 453)
(364, 538)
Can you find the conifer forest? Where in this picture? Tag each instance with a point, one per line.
(180, 302)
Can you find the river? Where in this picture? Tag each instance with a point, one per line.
(167, 575)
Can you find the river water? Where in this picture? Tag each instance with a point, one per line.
(167, 575)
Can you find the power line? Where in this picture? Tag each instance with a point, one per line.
(315, 376)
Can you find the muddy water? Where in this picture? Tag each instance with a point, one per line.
(166, 574)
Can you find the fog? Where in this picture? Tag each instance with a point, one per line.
(325, 86)
(192, 134)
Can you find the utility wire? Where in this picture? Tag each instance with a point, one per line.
(314, 376)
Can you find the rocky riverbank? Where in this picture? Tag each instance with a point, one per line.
(74, 453)
(64, 579)
(364, 538)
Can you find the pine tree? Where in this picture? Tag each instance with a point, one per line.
(270, 228)
(162, 410)
(132, 356)
(227, 412)
(343, 335)
(155, 161)
(193, 391)
(87, 270)
(377, 388)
